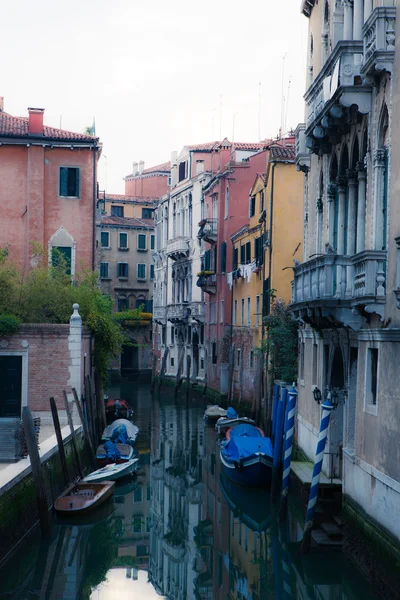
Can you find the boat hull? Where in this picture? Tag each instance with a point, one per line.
(131, 430)
(254, 471)
(108, 473)
(126, 451)
(83, 498)
(223, 424)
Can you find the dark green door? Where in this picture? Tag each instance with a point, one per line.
(10, 386)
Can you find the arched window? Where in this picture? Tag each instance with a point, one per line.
(122, 303)
(141, 300)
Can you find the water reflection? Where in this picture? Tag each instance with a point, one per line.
(179, 530)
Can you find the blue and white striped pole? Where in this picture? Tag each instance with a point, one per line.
(327, 408)
(278, 442)
(288, 448)
(277, 390)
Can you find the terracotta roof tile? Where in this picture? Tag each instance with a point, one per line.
(124, 198)
(206, 146)
(161, 168)
(16, 127)
(130, 222)
(286, 153)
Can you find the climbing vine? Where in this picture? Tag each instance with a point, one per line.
(281, 342)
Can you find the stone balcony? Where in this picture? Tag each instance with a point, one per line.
(208, 283)
(178, 247)
(208, 230)
(342, 290)
(334, 95)
(379, 41)
(181, 313)
(160, 314)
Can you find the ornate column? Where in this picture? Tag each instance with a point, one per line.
(367, 9)
(319, 225)
(331, 193)
(379, 185)
(362, 187)
(342, 185)
(351, 220)
(348, 20)
(358, 19)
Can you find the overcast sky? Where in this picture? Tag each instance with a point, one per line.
(152, 72)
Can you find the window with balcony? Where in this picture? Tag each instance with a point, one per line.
(69, 182)
(141, 271)
(142, 242)
(103, 270)
(122, 241)
(117, 211)
(105, 239)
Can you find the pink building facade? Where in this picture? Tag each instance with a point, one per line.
(151, 183)
(48, 189)
(226, 210)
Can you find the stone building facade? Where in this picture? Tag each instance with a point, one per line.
(346, 292)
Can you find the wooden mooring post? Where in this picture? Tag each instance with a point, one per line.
(73, 436)
(85, 429)
(56, 421)
(37, 472)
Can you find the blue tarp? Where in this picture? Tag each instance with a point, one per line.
(112, 451)
(231, 413)
(245, 441)
(120, 435)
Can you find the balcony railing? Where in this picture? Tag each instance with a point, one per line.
(208, 230)
(178, 247)
(379, 39)
(357, 281)
(208, 283)
(159, 313)
(178, 312)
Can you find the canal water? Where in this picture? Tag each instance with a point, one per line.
(178, 530)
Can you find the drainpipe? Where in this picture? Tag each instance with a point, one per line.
(267, 392)
(94, 206)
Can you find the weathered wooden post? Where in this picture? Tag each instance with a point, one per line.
(54, 413)
(327, 408)
(37, 472)
(277, 459)
(73, 436)
(85, 428)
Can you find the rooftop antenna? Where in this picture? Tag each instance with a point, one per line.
(282, 96)
(287, 103)
(259, 111)
(220, 117)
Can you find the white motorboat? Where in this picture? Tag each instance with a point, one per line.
(214, 412)
(113, 472)
(132, 431)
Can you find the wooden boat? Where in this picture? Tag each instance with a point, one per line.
(125, 450)
(246, 456)
(132, 431)
(113, 471)
(117, 408)
(83, 497)
(214, 412)
(223, 424)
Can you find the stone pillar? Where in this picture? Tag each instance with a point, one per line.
(362, 187)
(367, 9)
(75, 355)
(341, 214)
(331, 193)
(351, 220)
(358, 19)
(348, 20)
(379, 184)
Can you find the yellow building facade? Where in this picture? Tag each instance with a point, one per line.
(264, 252)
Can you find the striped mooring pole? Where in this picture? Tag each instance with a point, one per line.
(278, 443)
(327, 408)
(288, 448)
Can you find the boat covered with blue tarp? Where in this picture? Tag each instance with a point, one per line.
(247, 455)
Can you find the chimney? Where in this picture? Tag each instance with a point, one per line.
(35, 122)
(1, 103)
(141, 166)
(135, 168)
(174, 168)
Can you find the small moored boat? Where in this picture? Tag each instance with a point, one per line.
(83, 497)
(232, 419)
(121, 431)
(214, 412)
(113, 472)
(246, 456)
(120, 453)
(116, 409)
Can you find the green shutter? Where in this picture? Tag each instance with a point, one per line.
(63, 181)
